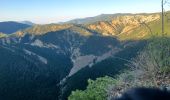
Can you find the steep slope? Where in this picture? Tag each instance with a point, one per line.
(11, 27)
(26, 75)
(124, 26)
(59, 57)
(53, 56)
(67, 55)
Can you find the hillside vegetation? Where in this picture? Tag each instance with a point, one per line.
(124, 27)
(67, 55)
(151, 68)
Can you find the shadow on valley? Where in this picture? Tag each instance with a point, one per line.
(111, 66)
(29, 72)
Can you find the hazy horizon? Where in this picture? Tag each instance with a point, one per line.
(54, 11)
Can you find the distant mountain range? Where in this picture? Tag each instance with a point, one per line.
(27, 22)
(122, 26)
(102, 17)
(11, 27)
(47, 62)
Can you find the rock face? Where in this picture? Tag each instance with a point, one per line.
(123, 24)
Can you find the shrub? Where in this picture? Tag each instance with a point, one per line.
(96, 90)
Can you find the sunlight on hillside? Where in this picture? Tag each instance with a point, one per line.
(85, 50)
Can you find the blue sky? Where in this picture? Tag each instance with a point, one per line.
(51, 11)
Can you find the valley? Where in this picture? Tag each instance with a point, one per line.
(47, 62)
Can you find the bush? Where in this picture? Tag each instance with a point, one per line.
(96, 90)
(154, 62)
(151, 68)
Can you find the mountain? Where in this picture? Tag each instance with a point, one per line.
(27, 22)
(54, 58)
(102, 17)
(125, 27)
(119, 27)
(11, 27)
(47, 62)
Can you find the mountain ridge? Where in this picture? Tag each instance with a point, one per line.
(10, 27)
(118, 27)
(101, 17)
(68, 54)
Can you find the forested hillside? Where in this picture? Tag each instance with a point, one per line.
(149, 69)
(50, 61)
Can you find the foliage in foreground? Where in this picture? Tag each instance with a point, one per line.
(151, 68)
(96, 90)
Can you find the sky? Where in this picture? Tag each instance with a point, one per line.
(53, 11)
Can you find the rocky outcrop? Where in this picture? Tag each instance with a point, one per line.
(122, 24)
